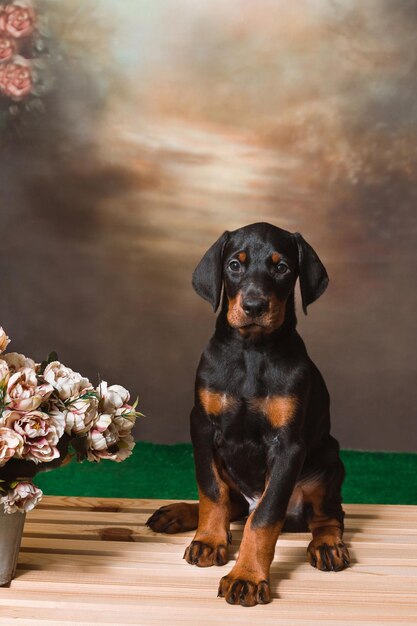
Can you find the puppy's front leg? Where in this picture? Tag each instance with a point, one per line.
(209, 546)
(248, 582)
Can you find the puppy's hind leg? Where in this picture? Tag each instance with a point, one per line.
(174, 518)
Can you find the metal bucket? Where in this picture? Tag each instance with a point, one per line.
(11, 531)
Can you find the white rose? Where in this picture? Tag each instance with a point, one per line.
(102, 422)
(112, 397)
(24, 392)
(124, 420)
(68, 384)
(4, 340)
(80, 414)
(40, 433)
(126, 445)
(4, 373)
(57, 422)
(108, 445)
(99, 442)
(23, 498)
(11, 444)
(17, 361)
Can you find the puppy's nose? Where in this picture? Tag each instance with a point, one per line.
(254, 307)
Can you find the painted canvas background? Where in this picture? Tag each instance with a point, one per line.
(165, 122)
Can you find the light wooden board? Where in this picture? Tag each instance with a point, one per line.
(91, 561)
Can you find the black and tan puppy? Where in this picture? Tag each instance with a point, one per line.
(260, 426)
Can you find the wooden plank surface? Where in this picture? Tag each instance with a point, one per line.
(92, 560)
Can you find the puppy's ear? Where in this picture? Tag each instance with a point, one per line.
(208, 275)
(312, 273)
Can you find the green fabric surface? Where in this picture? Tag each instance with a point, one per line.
(163, 471)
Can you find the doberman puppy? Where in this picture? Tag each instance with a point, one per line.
(260, 425)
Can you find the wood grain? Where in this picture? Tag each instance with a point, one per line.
(93, 560)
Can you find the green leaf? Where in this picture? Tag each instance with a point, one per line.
(52, 356)
(42, 366)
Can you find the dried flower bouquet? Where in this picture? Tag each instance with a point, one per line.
(49, 412)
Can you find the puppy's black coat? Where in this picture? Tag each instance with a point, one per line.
(260, 425)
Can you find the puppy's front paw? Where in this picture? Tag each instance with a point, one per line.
(330, 555)
(205, 554)
(245, 589)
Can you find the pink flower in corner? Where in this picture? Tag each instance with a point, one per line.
(17, 19)
(16, 78)
(7, 48)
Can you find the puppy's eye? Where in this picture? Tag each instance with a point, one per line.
(281, 268)
(234, 266)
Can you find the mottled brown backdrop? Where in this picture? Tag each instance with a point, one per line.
(172, 120)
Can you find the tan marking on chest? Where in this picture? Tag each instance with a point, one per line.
(215, 403)
(279, 410)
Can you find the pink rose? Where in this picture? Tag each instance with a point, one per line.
(16, 78)
(24, 392)
(11, 444)
(23, 498)
(17, 19)
(7, 48)
(40, 431)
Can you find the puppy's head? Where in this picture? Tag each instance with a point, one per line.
(258, 266)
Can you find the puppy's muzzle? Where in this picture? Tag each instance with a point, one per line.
(254, 306)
